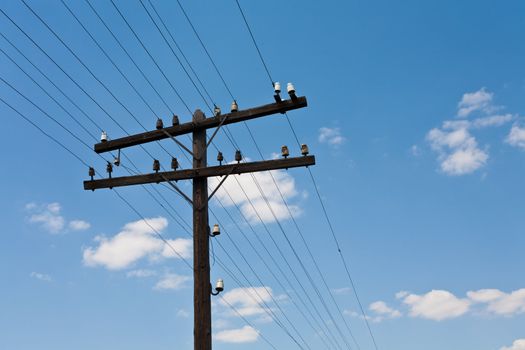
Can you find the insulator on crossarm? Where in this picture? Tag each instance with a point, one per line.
(304, 150)
(156, 165)
(159, 125)
(238, 156)
(91, 172)
(291, 91)
(174, 163)
(284, 151)
(234, 107)
(220, 158)
(103, 137)
(175, 120)
(216, 110)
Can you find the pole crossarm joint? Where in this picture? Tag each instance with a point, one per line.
(206, 172)
(207, 123)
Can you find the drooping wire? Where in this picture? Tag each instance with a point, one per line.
(311, 175)
(226, 86)
(67, 149)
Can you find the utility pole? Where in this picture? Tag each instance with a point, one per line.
(199, 174)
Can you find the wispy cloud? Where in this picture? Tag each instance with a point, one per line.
(50, 218)
(40, 276)
(172, 281)
(331, 136)
(135, 241)
(140, 273)
(246, 334)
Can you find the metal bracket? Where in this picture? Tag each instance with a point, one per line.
(216, 130)
(179, 143)
(176, 188)
(220, 183)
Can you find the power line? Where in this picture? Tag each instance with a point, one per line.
(317, 190)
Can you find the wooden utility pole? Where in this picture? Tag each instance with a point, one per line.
(199, 174)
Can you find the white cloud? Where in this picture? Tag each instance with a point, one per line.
(254, 197)
(137, 240)
(40, 276)
(491, 121)
(245, 334)
(248, 301)
(50, 218)
(383, 311)
(480, 100)
(48, 215)
(331, 136)
(79, 225)
(457, 149)
(141, 273)
(516, 137)
(436, 305)
(500, 303)
(401, 294)
(518, 344)
(172, 281)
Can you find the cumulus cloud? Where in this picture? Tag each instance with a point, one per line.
(500, 303)
(40, 276)
(331, 136)
(516, 137)
(135, 241)
(457, 148)
(50, 218)
(436, 305)
(248, 301)
(172, 281)
(245, 334)
(383, 311)
(518, 344)
(480, 100)
(251, 201)
(458, 151)
(439, 305)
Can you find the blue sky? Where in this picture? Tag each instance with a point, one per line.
(416, 119)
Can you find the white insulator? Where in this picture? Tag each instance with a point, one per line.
(220, 285)
(216, 230)
(277, 87)
(290, 88)
(103, 137)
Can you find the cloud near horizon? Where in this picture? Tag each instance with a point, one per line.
(440, 305)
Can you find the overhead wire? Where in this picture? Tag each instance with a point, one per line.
(251, 134)
(62, 145)
(347, 270)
